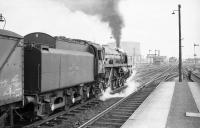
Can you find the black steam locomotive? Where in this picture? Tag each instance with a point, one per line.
(40, 73)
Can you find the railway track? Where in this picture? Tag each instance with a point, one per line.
(147, 71)
(158, 71)
(129, 107)
(117, 114)
(191, 75)
(57, 118)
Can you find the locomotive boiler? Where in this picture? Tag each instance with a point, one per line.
(116, 67)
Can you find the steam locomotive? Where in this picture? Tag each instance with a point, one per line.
(40, 73)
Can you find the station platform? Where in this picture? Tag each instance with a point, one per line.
(170, 105)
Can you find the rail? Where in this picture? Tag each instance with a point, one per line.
(133, 101)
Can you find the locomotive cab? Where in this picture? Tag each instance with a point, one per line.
(101, 57)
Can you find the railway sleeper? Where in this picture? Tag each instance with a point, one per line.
(119, 115)
(48, 124)
(75, 111)
(108, 121)
(112, 120)
(135, 101)
(114, 116)
(62, 118)
(69, 114)
(108, 124)
(124, 113)
(95, 127)
(141, 96)
(81, 109)
(56, 121)
(134, 104)
(125, 107)
(131, 106)
(126, 110)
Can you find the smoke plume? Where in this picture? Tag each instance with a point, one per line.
(106, 10)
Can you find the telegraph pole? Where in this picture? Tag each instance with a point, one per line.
(180, 46)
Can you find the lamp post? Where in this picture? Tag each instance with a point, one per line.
(195, 54)
(180, 52)
(3, 19)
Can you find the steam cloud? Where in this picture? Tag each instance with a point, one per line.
(106, 10)
(132, 86)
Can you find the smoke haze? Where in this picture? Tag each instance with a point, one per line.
(106, 10)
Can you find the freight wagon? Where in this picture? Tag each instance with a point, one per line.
(11, 73)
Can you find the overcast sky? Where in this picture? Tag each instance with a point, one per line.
(149, 22)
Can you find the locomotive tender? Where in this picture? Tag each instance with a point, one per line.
(40, 73)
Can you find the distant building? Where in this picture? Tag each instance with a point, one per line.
(156, 59)
(192, 61)
(131, 48)
(173, 60)
(159, 60)
(150, 58)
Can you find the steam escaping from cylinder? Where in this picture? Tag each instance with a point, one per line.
(131, 87)
(106, 10)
